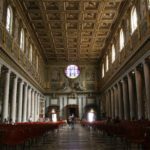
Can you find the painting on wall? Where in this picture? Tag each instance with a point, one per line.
(90, 75)
(90, 87)
(55, 76)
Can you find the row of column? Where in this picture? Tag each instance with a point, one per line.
(129, 98)
(24, 101)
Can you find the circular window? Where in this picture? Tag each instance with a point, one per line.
(72, 71)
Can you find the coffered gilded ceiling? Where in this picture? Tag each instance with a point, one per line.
(71, 30)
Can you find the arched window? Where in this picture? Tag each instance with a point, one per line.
(9, 19)
(37, 63)
(113, 54)
(134, 19)
(148, 4)
(103, 71)
(30, 53)
(22, 40)
(107, 63)
(121, 40)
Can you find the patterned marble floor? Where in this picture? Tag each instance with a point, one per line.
(79, 138)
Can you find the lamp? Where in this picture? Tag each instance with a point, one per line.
(91, 116)
(54, 115)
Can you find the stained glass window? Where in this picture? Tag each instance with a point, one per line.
(72, 71)
(149, 4)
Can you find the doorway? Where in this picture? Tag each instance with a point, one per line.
(72, 109)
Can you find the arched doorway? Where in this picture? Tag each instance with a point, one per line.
(72, 109)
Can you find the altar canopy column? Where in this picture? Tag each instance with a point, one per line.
(6, 96)
(20, 101)
(14, 99)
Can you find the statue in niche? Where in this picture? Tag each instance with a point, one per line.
(90, 75)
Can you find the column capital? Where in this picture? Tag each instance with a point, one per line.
(26, 84)
(32, 90)
(7, 71)
(14, 76)
(145, 61)
(21, 81)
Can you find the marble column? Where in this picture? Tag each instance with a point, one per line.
(80, 107)
(0, 90)
(124, 85)
(107, 104)
(61, 105)
(6, 96)
(138, 79)
(14, 99)
(120, 102)
(29, 103)
(131, 96)
(33, 99)
(38, 106)
(35, 108)
(109, 98)
(147, 87)
(115, 101)
(112, 103)
(20, 101)
(25, 103)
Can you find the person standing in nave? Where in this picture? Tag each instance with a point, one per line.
(71, 121)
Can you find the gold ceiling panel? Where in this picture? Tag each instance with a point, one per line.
(71, 30)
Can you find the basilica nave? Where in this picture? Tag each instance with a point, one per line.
(75, 74)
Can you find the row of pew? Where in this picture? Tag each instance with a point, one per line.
(132, 132)
(20, 133)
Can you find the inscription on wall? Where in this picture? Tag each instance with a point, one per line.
(54, 101)
(72, 101)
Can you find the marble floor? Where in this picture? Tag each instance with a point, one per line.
(78, 138)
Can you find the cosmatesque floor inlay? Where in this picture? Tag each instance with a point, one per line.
(79, 138)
